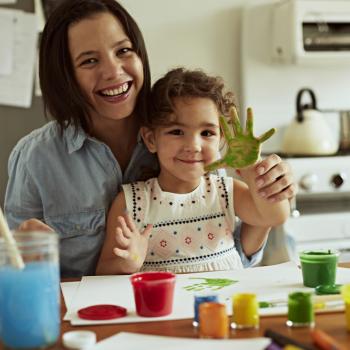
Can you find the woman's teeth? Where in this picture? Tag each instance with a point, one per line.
(115, 92)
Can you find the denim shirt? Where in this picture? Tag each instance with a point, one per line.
(69, 182)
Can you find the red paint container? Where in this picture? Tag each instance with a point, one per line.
(153, 292)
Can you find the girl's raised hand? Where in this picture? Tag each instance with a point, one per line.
(243, 148)
(131, 243)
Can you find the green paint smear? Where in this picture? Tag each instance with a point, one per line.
(210, 283)
(264, 304)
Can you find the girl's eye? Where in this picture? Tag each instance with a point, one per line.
(175, 132)
(207, 133)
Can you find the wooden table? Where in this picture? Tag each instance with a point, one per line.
(332, 323)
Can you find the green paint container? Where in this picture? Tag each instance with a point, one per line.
(300, 310)
(319, 267)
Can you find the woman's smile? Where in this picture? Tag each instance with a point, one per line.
(115, 93)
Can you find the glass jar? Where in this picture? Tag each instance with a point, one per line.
(213, 320)
(300, 310)
(245, 311)
(29, 297)
(199, 299)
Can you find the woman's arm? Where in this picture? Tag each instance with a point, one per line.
(125, 247)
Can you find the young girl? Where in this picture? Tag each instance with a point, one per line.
(182, 221)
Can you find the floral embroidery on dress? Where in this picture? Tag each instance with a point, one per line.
(212, 235)
(190, 240)
(163, 244)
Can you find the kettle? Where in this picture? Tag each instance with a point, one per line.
(309, 133)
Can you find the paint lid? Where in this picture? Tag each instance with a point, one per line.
(79, 339)
(325, 289)
(102, 312)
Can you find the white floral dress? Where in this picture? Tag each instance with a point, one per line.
(192, 232)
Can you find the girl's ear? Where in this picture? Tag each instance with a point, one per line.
(147, 135)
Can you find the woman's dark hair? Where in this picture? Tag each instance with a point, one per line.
(180, 82)
(61, 93)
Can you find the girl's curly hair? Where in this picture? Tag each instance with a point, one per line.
(180, 82)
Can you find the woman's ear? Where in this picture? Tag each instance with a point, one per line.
(148, 138)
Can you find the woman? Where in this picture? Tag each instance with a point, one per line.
(95, 82)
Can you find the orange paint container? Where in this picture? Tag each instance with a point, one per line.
(213, 321)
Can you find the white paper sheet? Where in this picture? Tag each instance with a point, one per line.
(7, 37)
(68, 290)
(16, 89)
(132, 341)
(270, 283)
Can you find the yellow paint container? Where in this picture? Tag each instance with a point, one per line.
(245, 311)
(345, 292)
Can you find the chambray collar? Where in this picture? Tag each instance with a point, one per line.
(74, 138)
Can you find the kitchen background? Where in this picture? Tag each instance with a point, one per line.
(259, 48)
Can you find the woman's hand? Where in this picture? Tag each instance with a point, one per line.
(274, 179)
(34, 225)
(132, 244)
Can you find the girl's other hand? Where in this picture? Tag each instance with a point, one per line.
(274, 179)
(131, 244)
(34, 225)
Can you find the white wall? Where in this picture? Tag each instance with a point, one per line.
(193, 33)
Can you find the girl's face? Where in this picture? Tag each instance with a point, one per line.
(107, 69)
(185, 146)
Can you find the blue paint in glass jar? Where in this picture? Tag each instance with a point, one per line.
(198, 299)
(29, 297)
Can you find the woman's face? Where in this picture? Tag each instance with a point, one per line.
(106, 67)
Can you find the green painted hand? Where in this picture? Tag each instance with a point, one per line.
(243, 148)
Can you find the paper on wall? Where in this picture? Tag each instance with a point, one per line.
(39, 12)
(7, 35)
(16, 89)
